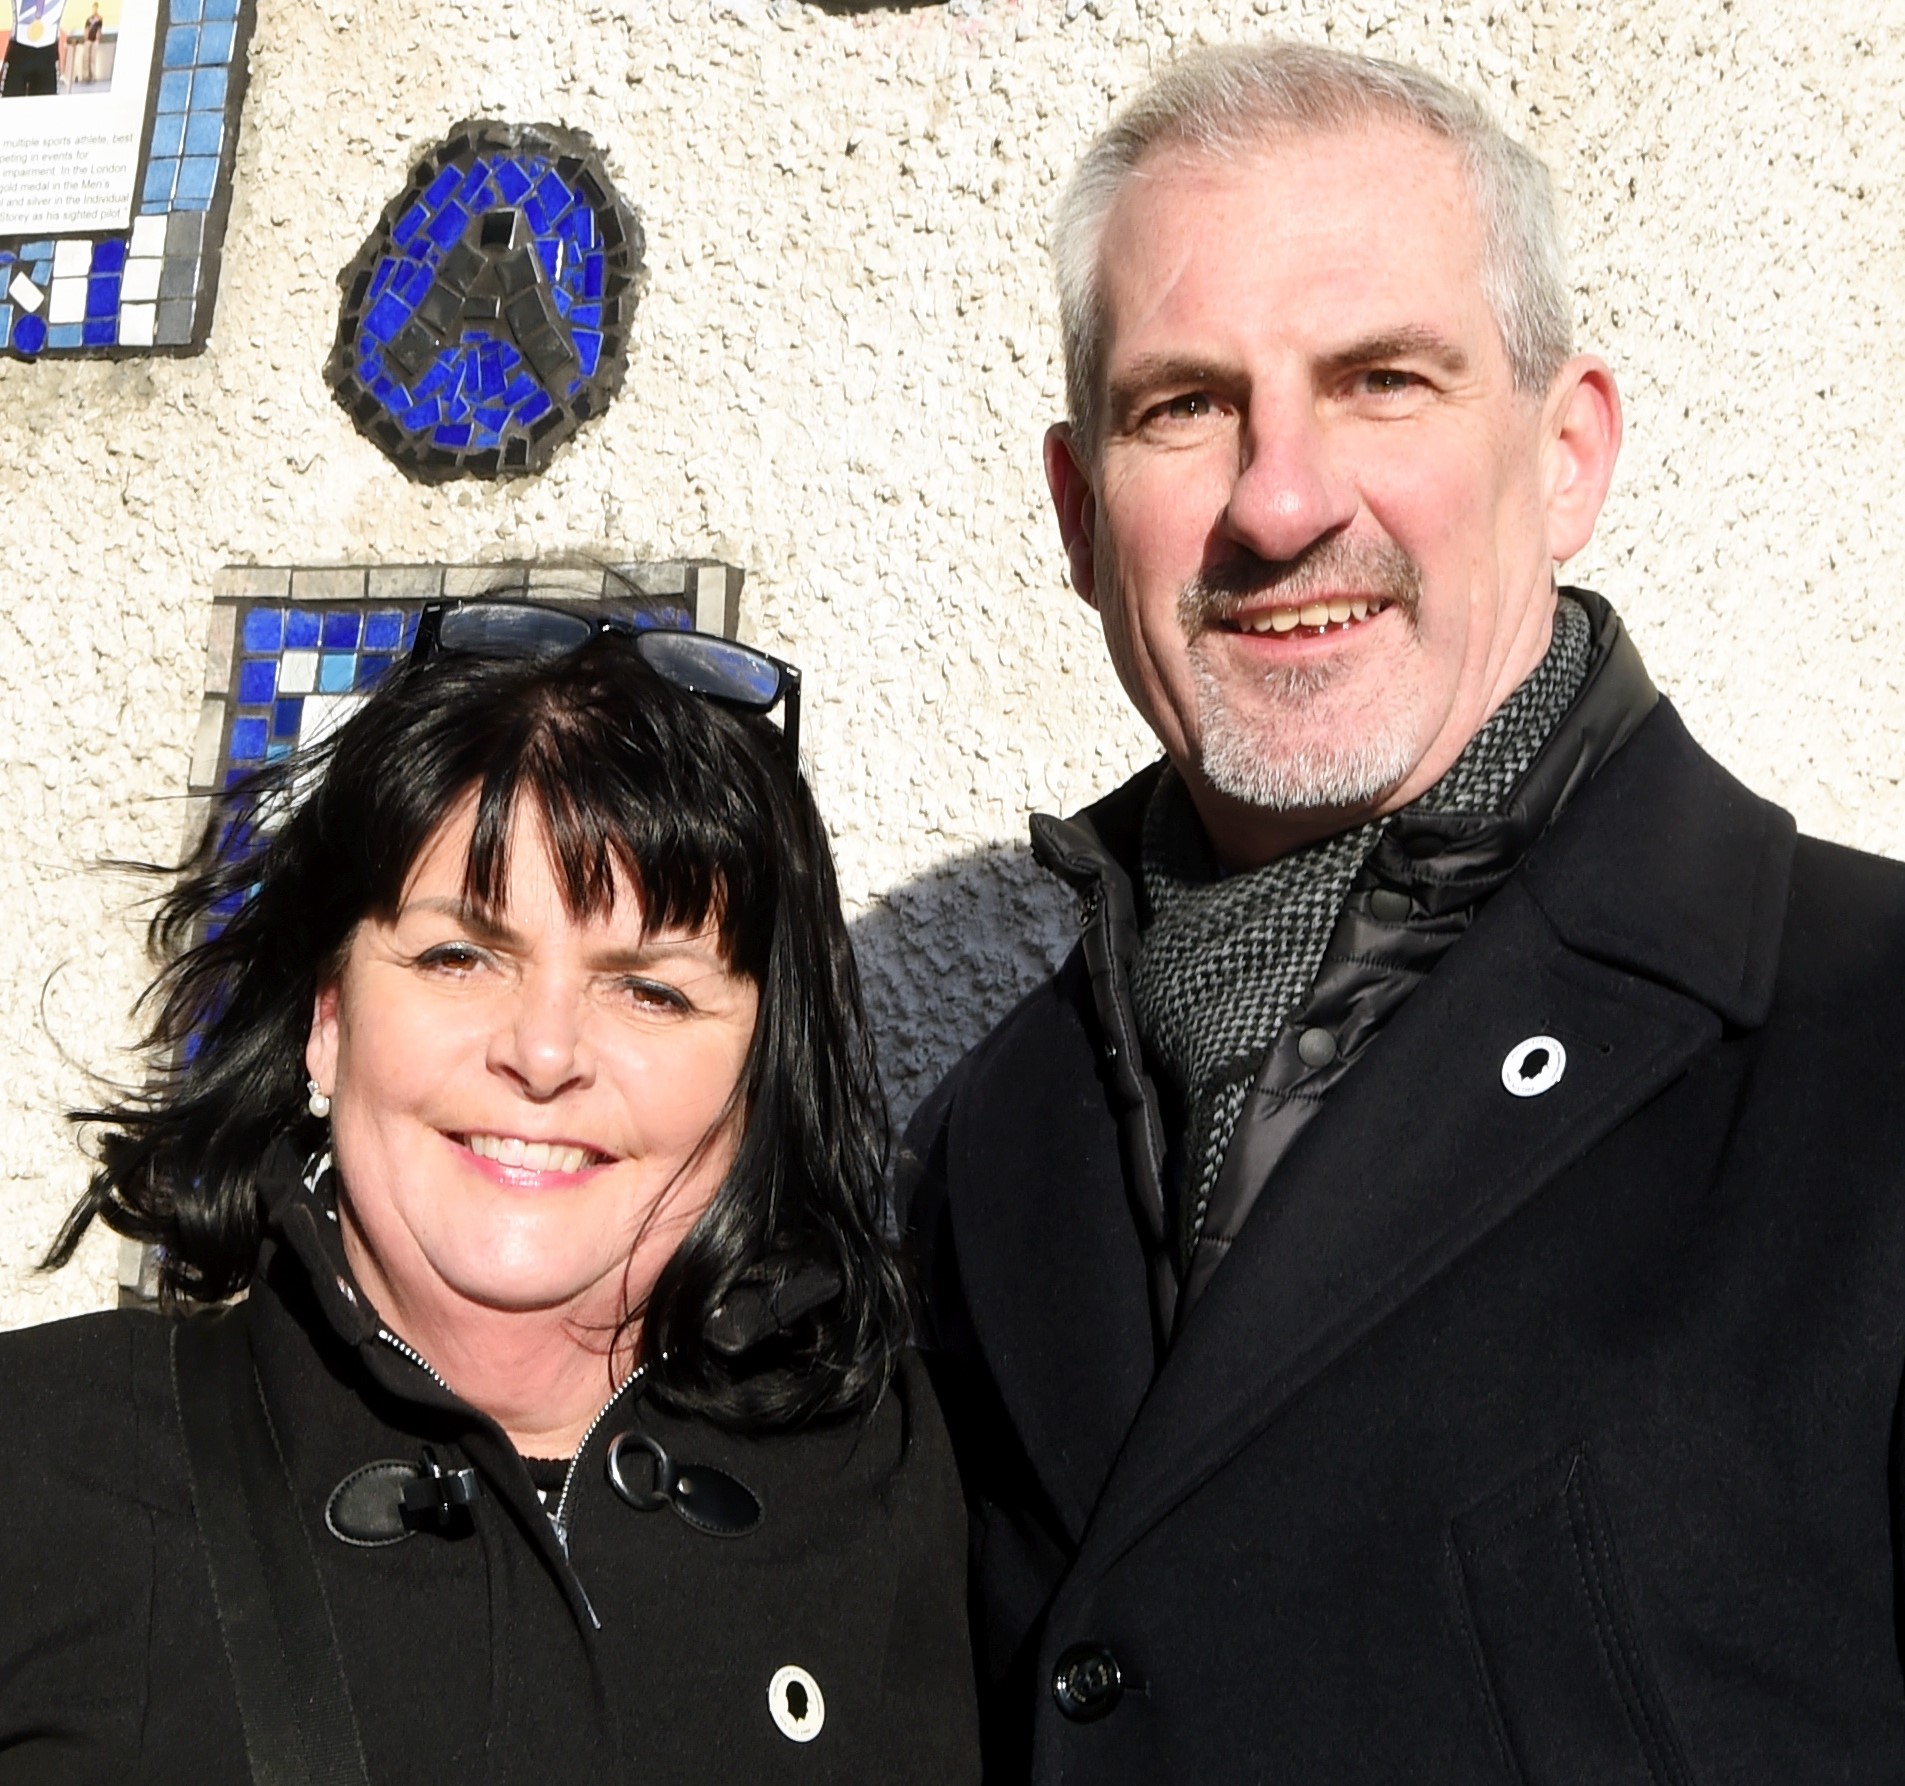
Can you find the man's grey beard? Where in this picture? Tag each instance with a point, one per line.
(1250, 756)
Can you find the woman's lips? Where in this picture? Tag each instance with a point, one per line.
(519, 1154)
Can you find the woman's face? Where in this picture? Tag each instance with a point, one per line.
(529, 1114)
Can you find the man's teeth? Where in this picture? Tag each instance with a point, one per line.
(1340, 611)
(532, 1156)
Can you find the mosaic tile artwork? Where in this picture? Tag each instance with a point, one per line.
(487, 316)
(292, 653)
(149, 287)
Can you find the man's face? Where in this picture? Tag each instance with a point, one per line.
(1321, 524)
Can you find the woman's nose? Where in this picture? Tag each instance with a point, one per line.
(540, 1041)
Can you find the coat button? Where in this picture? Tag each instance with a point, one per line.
(1316, 1048)
(1087, 1683)
(1390, 905)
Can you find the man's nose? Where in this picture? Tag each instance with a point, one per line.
(541, 1043)
(1290, 491)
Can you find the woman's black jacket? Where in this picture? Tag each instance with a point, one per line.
(482, 1652)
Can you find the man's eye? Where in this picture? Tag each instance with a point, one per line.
(1385, 380)
(1190, 407)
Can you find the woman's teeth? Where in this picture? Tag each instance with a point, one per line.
(532, 1156)
(1313, 616)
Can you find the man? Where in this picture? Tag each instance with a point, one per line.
(31, 66)
(1420, 1294)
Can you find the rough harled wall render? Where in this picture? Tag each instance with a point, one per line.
(841, 366)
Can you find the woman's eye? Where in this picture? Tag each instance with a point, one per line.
(451, 958)
(653, 995)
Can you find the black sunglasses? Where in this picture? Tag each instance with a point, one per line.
(701, 663)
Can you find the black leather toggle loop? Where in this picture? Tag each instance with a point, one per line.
(437, 1497)
(706, 1498)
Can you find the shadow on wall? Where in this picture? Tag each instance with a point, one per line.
(945, 955)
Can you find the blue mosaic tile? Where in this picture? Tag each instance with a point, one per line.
(215, 43)
(383, 631)
(161, 176)
(264, 629)
(209, 87)
(372, 670)
(341, 627)
(102, 297)
(109, 255)
(6, 325)
(248, 740)
(286, 716)
(204, 131)
(70, 334)
(460, 348)
(337, 672)
(186, 12)
(181, 46)
(100, 332)
(168, 133)
(40, 250)
(198, 177)
(257, 681)
(221, 9)
(301, 629)
(175, 90)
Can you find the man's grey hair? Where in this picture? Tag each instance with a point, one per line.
(1228, 100)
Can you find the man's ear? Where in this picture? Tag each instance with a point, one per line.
(1581, 441)
(320, 1049)
(1077, 506)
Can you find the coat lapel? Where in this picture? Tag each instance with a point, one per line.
(1645, 921)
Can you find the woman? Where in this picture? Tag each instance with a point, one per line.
(527, 1092)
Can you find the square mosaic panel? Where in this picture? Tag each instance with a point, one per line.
(292, 653)
(149, 287)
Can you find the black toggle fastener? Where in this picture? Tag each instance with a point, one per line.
(437, 1496)
(706, 1498)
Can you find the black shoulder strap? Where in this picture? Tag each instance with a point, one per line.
(299, 1726)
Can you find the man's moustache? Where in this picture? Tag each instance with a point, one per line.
(1375, 568)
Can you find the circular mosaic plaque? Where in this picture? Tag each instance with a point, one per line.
(486, 319)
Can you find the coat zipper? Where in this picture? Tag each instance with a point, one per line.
(560, 1518)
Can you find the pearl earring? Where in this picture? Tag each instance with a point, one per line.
(317, 1103)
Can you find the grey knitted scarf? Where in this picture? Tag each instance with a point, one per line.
(1224, 959)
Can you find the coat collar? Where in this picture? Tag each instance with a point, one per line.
(1639, 928)
(1641, 924)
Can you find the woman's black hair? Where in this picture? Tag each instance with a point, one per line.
(784, 1302)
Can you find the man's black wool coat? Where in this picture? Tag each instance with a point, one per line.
(643, 1650)
(1518, 1439)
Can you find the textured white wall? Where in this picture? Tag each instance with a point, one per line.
(841, 365)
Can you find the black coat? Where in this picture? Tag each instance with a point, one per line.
(471, 1658)
(1518, 1439)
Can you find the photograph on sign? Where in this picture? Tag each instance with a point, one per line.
(74, 80)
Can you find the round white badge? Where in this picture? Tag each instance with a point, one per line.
(1534, 1066)
(796, 1704)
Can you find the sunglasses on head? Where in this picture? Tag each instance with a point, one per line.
(700, 663)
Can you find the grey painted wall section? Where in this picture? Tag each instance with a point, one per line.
(842, 362)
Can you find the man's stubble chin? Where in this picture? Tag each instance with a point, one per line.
(1304, 737)
(1298, 740)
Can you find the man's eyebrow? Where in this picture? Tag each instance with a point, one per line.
(1399, 344)
(1155, 372)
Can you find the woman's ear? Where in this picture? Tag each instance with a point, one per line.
(320, 1049)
